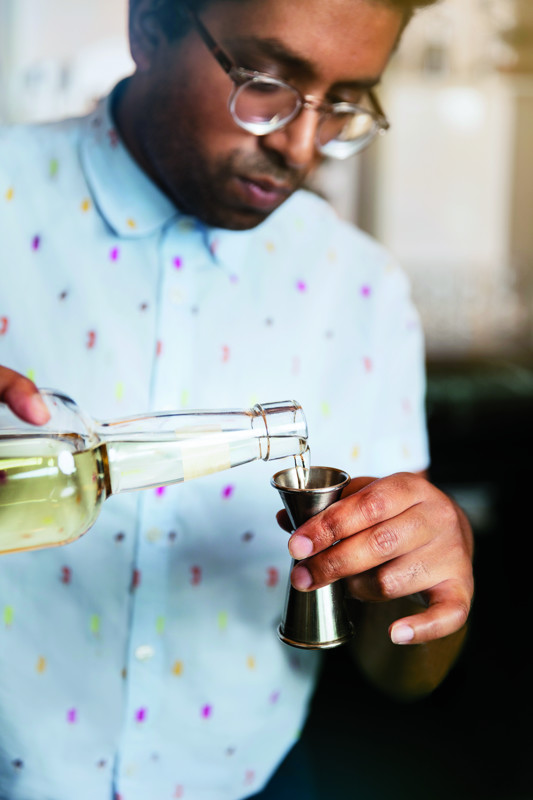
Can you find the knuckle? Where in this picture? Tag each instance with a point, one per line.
(399, 479)
(372, 506)
(446, 513)
(387, 584)
(330, 565)
(384, 542)
(331, 526)
(420, 482)
(417, 570)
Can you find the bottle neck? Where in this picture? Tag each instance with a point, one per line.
(159, 449)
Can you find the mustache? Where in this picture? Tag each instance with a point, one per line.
(268, 166)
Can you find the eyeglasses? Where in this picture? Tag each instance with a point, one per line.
(261, 104)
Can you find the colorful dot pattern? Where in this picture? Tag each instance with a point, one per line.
(142, 660)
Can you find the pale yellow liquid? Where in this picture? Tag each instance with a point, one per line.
(49, 493)
(51, 490)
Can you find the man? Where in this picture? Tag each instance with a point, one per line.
(158, 253)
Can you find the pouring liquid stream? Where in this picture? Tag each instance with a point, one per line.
(302, 462)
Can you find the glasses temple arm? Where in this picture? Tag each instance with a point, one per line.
(223, 59)
(378, 109)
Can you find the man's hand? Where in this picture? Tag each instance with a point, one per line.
(391, 538)
(22, 397)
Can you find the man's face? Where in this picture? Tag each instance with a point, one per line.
(182, 131)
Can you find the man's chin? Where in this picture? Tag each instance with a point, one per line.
(235, 219)
(222, 209)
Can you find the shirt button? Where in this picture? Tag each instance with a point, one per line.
(144, 652)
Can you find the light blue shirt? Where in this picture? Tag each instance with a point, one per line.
(142, 661)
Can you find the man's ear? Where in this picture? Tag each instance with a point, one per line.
(145, 32)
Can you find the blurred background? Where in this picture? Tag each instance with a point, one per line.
(450, 191)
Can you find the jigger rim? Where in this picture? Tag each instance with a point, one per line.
(340, 484)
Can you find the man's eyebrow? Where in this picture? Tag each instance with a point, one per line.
(278, 50)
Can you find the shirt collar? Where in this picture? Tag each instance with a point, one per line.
(129, 201)
(132, 205)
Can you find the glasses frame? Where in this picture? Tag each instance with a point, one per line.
(241, 76)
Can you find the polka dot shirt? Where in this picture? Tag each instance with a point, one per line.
(142, 661)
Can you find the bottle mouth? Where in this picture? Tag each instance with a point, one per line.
(284, 429)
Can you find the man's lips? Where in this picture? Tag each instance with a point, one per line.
(262, 193)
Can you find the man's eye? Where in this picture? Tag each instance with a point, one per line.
(354, 98)
(266, 87)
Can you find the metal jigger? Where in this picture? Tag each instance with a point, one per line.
(317, 619)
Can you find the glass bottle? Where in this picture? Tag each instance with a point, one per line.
(54, 478)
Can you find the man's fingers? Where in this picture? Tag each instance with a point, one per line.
(22, 397)
(30, 407)
(447, 613)
(383, 544)
(376, 502)
(283, 520)
(416, 571)
(354, 486)
(399, 577)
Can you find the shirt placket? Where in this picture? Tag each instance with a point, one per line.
(182, 256)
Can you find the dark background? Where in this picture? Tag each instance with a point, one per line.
(472, 737)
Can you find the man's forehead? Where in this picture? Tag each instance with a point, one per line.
(354, 37)
(283, 53)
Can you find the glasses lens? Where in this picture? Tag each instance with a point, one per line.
(263, 104)
(344, 133)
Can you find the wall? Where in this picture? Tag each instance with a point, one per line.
(59, 55)
(448, 190)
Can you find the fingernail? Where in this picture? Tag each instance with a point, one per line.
(402, 634)
(38, 409)
(301, 578)
(300, 547)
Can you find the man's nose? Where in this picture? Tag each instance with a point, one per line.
(296, 142)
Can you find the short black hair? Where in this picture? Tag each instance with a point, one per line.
(173, 19)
